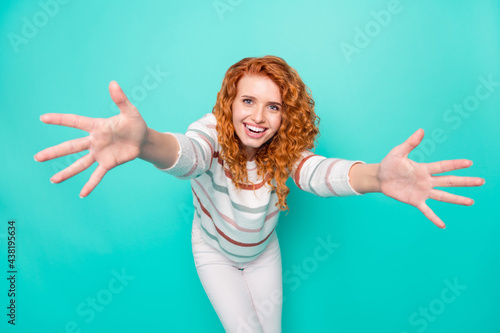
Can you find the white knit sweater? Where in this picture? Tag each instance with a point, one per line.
(239, 223)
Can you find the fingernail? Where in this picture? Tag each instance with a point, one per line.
(52, 181)
(34, 157)
(81, 197)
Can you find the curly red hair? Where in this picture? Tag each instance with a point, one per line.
(298, 130)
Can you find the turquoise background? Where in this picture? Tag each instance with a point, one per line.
(390, 261)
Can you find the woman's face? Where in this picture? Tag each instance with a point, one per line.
(256, 112)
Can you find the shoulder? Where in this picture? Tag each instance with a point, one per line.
(205, 127)
(207, 121)
(209, 118)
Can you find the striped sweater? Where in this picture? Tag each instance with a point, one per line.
(239, 223)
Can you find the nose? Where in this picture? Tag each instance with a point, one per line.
(258, 114)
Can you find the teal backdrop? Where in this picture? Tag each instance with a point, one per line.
(120, 260)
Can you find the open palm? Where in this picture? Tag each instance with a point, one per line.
(111, 142)
(413, 183)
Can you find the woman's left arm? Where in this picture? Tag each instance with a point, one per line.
(410, 182)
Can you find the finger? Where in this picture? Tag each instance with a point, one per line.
(63, 149)
(448, 165)
(94, 179)
(120, 99)
(413, 141)
(78, 166)
(69, 120)
(456, 181)
(451, 198)
(431, 215)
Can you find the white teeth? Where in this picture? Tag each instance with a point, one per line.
(255, 129)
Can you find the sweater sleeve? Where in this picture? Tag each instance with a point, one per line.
(324, 177)
(196, 149)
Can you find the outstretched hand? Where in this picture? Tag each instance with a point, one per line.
(111, 142)
(413, 183)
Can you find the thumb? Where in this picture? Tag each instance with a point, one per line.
(411, 143)
(120, 99)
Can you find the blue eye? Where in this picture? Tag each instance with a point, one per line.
(247, 101)
(274, 107)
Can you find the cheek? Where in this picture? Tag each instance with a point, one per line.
(278, 121)
(234, 115)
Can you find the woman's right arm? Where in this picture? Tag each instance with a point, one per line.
(111, 142)
(160, 149)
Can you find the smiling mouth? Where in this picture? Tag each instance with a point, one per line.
(255, 129)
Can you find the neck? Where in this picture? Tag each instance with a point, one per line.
(250, 154)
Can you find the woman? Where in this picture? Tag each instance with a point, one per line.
(238, 158)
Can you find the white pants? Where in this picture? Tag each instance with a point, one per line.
(248, 296)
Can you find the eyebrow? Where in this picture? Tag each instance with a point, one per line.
(248, 96)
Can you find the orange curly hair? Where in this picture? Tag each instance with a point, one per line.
(298, 130)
